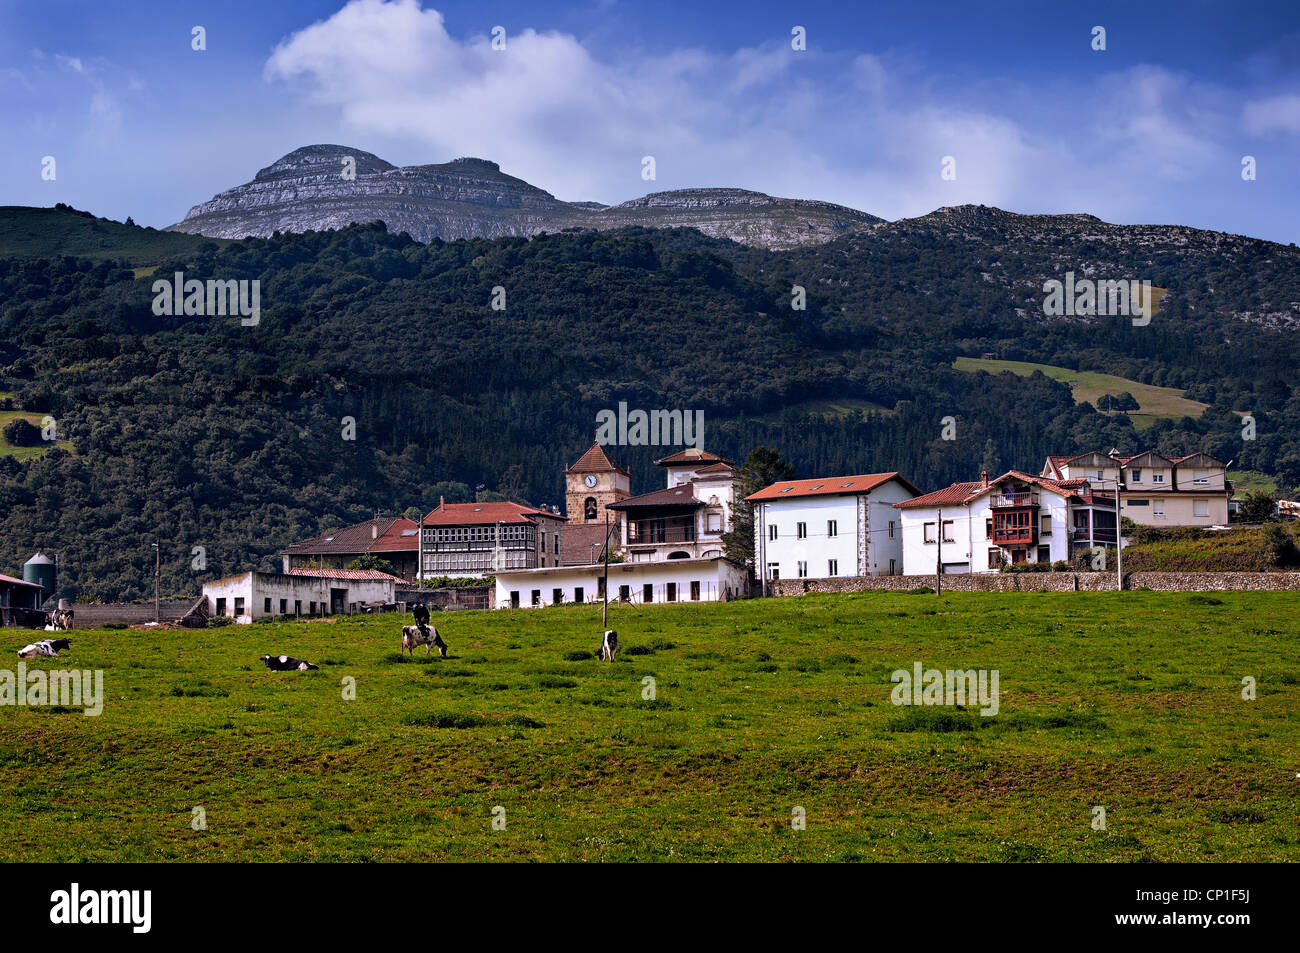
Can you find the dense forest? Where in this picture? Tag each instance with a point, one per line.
(202, 432)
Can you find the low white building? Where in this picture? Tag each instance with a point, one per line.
(249, 596)
(716, 579)
(1016, 518)
(831, 526)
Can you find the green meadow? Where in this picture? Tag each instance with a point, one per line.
(1131, 702)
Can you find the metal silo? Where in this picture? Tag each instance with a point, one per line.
(40, 570)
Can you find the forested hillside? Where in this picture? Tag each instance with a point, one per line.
(202, 432)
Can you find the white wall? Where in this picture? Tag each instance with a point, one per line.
(715, 576)
(971, 544)
(256, 587)
(787, 550)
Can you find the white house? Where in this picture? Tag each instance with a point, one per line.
(249, 596)
(831, 526)
(716, 579)
(1015, 518)
(686, 519)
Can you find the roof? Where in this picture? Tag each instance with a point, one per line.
(691, 455)
(679, 496)
(719, 469)
(383, 534)
(373, 574)
(596, 460)
(829, 486)
(580, 542)
(959, 494)
(481, 514)
(19, 582)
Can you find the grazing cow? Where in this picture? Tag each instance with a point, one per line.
(421, 613)
(61, 619)
(284, 663)
(426, 635)
(608, 646)
(46, 648)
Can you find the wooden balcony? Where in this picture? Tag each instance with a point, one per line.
(661, 531)
(1017, 536)
(1101, 534)
(1012, 500)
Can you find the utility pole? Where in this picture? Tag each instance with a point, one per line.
(604, 611)
(419, 569)
(762, 547)
(938, 558)
(157, 571)
(1119, 543)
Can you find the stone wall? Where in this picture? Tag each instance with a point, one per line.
(1047, 582)
(453, 597)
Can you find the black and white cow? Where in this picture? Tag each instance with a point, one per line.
(46, 648)
(608, 646)
(426, 635)
(284, 663)
(420, 612)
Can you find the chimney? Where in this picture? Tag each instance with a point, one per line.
(441, 501)
(374, 530)
(984, 478)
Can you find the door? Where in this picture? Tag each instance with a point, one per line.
(338, 601)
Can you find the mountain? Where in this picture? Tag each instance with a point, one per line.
(472, 198)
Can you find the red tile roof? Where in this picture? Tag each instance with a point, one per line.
(691, 455)
(829, 486)
(343, 573)
(683, 495)
(718, 468)
(596, 460)
(375, 535)
(962, 493)
(19, 582)
(481, 514)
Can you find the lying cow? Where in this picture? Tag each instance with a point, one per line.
(426, 635)
(608, 646)
(46, 648)
(284, 663)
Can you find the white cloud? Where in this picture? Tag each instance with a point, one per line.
(1275, 114)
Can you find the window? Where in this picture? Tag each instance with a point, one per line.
(695, 590)
(671, 592)
(1201, 476)
(266, 606)
(625, 593)
(988, 528)
(891, 567)
(557, 544)
(714, 524)
(995, 558)
(833, 528)
(1137, 474)
(891, 529)
(1047, 526)
(239, 605)
(771, 532)
(589, 508)
(773, 570)
(1101, 475)
(578, 594)
(1200, 507)
(1137, 502)
(1044, 554)
(312, 610)
(947, 532)
(801, 530)
(1157, 476)
(802, 568)
(297, 607)
(648, 593)
(557, 596)
(928, 533)
(1157, 507)
(221, 607)
(537, 597)
(284, 606)
(832, 567)
(600, 587)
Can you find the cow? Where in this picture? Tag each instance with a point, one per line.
(284, 663)
(426, 635)
(608, 646)
(46, 648)
(421, 613)
(61, 619)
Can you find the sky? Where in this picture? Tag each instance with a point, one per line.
(1154, 128)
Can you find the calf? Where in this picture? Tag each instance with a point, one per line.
(283, 663)
(426, 635)
(608, 646)
(46, 648)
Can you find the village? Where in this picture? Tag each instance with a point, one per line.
(668, 544)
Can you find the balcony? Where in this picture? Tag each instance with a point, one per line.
(1102, 534)
(1014, 536)
(642, 532)
(1010, 500)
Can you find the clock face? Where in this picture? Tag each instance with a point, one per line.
(590, 481)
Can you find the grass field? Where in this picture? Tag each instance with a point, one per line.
(25, 453)
(1129, 701)
(1154, 402)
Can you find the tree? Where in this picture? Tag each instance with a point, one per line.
(413, 513)
(1256, 507)
(763, 467)
(374, 562)
(22, 433)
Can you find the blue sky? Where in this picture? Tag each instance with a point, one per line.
(1152, 129)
